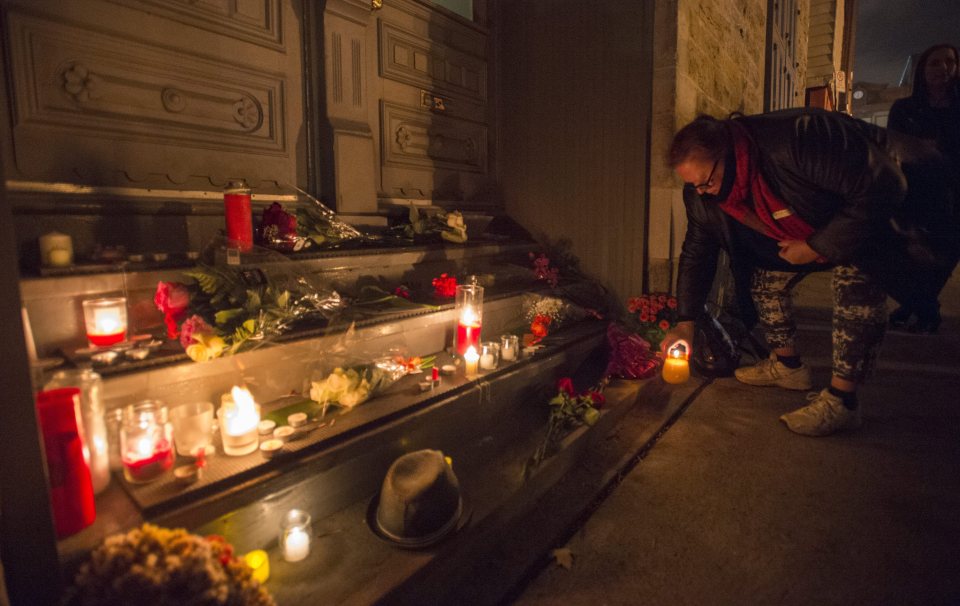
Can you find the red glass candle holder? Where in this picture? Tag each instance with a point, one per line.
(105, 321)
(469, 311)
(146, 443)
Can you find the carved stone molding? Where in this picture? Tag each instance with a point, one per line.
(414, 138)
(67, 79)
(407, 58)
(256, 21)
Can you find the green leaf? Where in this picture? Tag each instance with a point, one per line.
(225, 316)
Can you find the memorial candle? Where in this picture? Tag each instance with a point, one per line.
(676, 368)
(239, 417)
(105, 321)
(295, 535)
(469, 309)
(471, 359)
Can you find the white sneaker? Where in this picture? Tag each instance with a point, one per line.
(772, 372)
(824, 415)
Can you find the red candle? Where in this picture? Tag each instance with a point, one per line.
(467, 335)
(144, 470)
(105, 340)
(435, 375)
(239, 218)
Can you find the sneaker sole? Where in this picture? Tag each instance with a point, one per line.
(790, 386)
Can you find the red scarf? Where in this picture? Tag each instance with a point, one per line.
(776, 219)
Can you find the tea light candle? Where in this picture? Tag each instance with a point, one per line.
(676, 368)
(509, 346)
(56, 249)
(295, 535)
(239, 419)
(105, 320)
(471, 358)
(259, 562)
(488, 356)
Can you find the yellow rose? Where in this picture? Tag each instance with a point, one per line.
(205, 347)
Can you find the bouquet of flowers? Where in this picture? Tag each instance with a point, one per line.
(312, 224)
(569, 410)
(651, 316)
(153, 566)
(432, 225)
(225, 310)
(348, 387)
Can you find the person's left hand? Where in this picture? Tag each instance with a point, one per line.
(797, 252)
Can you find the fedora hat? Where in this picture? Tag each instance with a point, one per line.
(419, 502)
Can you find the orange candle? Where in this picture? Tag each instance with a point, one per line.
(676, 368)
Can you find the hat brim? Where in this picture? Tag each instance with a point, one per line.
(456, 522)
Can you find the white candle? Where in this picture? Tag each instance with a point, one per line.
(470, 359)
(509, 344)
(296, 545)
(56, 249)
(486, 362)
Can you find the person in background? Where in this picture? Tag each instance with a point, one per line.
(932, 112)
(785, 194)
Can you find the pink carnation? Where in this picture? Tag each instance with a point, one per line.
(193, 325)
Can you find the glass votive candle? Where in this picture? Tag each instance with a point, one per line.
(192, 427)
(238, 418)
(509, 347)
(489, 355)
(105, 321)
(146, 448)
(295, 535)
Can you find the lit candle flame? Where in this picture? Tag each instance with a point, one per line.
(471, 354)
(242, 415)
(468, 317)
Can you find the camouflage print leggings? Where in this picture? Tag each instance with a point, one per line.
(859, 316)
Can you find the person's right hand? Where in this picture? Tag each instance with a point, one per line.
(682, 331)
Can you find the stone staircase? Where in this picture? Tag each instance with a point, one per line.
(489, 425)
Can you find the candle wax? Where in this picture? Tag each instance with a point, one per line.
(486, 361)
(103, 340)
(151, 467)
(470, 359)
(468, 335)
(676, 370)
(296, 545)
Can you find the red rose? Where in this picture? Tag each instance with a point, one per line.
(598, 399)
(566, 385)
(172, 298)
(402, 291)
(664, 325)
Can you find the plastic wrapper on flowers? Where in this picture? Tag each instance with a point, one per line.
(305, 224)
(630, 355)
(559, 311)
(348, 386)
(223, 309)
(431, 225)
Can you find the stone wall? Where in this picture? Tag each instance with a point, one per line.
(708, 58)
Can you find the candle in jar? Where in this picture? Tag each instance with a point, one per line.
(471, 358)
(489, 353)
(259, 562)
(105, 320)
(468, 330)
(676, 368)
(509, 345)
(239, 417)
(146, 448)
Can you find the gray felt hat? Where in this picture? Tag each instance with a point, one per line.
(419, 502)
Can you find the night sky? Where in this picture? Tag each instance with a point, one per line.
(888, 31)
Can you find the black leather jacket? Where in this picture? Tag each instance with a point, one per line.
(839, 174)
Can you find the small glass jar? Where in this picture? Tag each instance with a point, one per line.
(295, 535)
(96, 442)
(146, 444)
(489, 355)
(106, 321)
(509, 348)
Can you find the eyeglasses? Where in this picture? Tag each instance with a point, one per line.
(706, 184)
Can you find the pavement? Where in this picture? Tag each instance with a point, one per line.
(729, 507)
